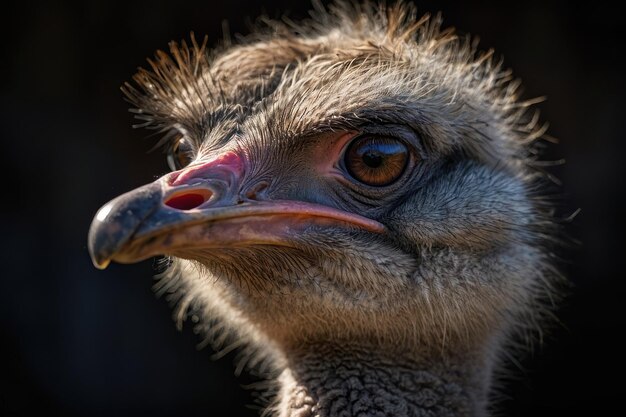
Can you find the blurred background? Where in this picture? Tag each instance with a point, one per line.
(81, 342)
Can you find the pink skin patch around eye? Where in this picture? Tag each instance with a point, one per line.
(328, 152)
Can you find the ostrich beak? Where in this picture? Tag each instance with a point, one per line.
(200, 208)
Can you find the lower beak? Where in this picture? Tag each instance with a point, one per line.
(159, 219)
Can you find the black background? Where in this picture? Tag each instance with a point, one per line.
(78, 341)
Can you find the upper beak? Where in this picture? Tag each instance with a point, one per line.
(199, 208)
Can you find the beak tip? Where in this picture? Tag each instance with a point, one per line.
(101, 263)
(116, 222)
(100, 245)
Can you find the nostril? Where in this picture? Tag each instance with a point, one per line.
(188, 200)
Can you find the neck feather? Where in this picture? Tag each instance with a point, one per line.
(330, 380)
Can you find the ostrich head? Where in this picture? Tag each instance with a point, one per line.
(354, 197)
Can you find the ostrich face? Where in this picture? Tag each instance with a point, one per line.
(363, 182)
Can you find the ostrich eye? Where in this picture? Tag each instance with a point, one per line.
(376, 161)
(179, 155)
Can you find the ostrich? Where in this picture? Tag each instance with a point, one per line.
(355, 200)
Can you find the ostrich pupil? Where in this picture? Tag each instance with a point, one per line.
(373, 159)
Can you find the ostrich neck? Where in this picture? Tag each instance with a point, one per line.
(330, 381)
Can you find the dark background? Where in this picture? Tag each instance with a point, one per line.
(81, 342)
